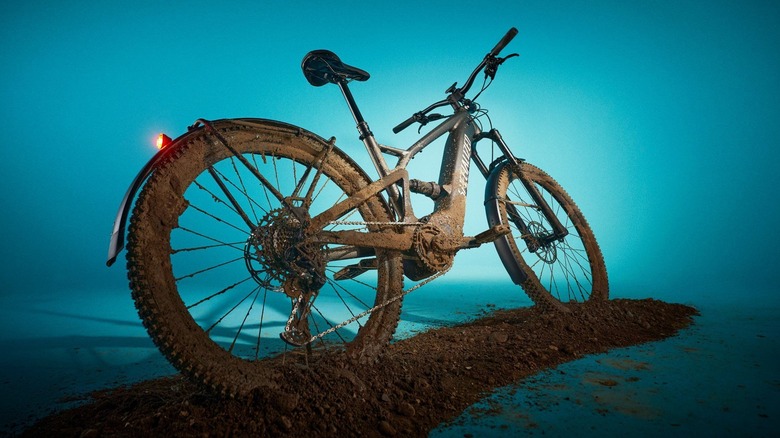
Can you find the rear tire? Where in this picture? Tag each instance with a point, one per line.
(209, 263)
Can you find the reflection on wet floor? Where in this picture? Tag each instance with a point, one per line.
(717, 378)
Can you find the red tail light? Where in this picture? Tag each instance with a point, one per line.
(163, 141)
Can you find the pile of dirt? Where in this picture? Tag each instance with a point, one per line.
(419, 383)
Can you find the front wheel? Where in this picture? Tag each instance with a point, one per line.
(552, 271)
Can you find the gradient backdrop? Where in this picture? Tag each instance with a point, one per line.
(661, 118)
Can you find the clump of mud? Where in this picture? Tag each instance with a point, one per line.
(419, 383)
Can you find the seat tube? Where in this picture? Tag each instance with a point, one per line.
(367, 137)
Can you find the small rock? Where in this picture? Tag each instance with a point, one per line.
(499, 337)
(285, 423)
(406, 409)
(385, 397)
(287, 402)
(386, 428)
(553, 348)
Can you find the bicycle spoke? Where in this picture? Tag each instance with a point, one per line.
(253, 170)
(208, 269)
(217, 293)
(334, 285)
(246, 316)
(229, 312)
(199, 248)
(265, 189)
(221, 243)
(243, 190)
(338, 294)
(195, 207)
(300, 182)
(328, 323)
(260, 327)
(232, 200)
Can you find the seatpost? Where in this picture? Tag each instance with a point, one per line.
(367, 137)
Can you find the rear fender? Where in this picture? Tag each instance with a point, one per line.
(117, 241)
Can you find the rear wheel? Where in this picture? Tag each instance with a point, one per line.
(224, 275)
(556, 271)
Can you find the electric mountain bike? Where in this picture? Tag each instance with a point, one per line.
(253, 240)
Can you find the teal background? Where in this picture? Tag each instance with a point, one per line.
(659, 117)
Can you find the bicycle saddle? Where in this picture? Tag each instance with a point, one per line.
(323, 66)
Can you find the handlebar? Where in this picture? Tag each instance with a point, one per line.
(458, 94)
(405, 124)
(504, 41)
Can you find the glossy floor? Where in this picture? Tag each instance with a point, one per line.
(718, 377)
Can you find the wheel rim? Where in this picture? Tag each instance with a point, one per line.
(233, 275)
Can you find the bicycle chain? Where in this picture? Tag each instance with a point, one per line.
(402, 224)
(380, 305)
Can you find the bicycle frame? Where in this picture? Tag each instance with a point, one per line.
(449, 211)
(453, 179)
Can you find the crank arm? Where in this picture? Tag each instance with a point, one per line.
(486, 236)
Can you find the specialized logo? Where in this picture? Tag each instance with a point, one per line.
(465, 162)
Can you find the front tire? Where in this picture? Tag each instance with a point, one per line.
(568, 270)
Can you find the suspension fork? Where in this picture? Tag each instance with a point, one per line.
(533, 243)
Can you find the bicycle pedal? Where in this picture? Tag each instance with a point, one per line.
(352, 271)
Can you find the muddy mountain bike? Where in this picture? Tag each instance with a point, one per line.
(252, 240)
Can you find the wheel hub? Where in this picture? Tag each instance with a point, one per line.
(277, 249)
(546, 250)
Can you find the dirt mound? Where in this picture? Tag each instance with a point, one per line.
(420, 382)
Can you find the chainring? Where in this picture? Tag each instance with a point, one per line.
(427, 242)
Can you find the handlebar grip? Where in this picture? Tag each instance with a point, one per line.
(504, 41)
(405, 124)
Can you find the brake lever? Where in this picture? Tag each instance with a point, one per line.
(492, 63)
(428, 118)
